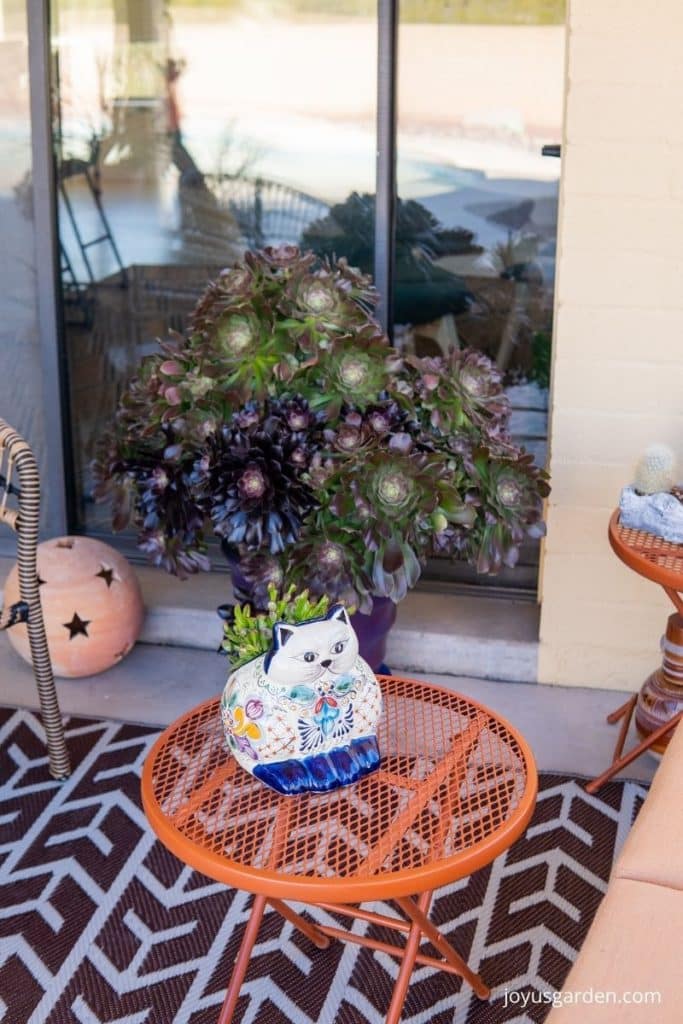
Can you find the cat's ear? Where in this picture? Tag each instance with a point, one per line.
(338, 613)
(281, 634)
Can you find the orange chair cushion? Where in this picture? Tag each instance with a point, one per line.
(633, 946)
(653, 851)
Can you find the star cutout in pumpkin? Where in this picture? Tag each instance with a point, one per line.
(107, 574)
(77, 626)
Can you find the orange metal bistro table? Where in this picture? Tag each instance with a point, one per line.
(456, 786)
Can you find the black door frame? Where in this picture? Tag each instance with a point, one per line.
(57, 474)
(385, 183)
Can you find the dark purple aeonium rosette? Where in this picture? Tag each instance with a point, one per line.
(511, 493)
(330, 561)
(460, 391)
(250, 474)
(150, 485)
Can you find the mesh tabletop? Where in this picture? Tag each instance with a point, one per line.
(455, 787)
(647, 554)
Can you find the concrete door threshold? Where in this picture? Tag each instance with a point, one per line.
(490, 638)
(483, 637)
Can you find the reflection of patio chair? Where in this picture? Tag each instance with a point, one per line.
(15, 455)
(73, 167)
(267, 212)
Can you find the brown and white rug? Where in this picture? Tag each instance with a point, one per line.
(98, 923)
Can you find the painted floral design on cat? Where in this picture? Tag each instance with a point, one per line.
(303, 716)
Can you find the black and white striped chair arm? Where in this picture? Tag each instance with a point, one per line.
(19, 480)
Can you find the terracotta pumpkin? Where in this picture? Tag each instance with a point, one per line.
(92, 605)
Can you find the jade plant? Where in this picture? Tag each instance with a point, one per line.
(284, 423)
(248, 634)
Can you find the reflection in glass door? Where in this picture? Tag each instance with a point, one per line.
(185, 133)
(480, 92)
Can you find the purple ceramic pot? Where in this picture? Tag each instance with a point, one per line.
(372, 630)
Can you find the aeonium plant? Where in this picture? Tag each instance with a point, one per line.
(284, 423)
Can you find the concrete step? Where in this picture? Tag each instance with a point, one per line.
(483, 637)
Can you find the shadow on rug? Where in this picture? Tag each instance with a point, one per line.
(99, 923)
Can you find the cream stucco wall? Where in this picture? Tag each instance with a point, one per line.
(618, 341)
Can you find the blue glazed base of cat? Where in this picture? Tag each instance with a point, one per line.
(319, 773)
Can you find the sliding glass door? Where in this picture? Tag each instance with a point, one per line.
(186, 132)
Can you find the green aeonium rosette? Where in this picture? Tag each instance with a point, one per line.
(394, 499)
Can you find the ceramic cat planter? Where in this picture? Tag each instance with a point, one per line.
(302, 718)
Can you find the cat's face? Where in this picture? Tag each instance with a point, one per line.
(305, 652)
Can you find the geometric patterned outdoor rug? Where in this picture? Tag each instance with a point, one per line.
(99, 923)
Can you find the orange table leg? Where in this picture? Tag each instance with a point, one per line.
(242, 960)
(624, 709)
(660, 695)
(452, 965)
(625, 713)
(418, 916)
(622, 762)
(406, 969)
(307, 928)
(676, 598)
(417, 926)
(372, 917)
(390, 948)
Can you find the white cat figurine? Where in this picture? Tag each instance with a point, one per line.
(303, 717)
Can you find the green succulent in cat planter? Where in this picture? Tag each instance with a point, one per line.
(300, 716)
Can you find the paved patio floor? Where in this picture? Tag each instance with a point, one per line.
(565, 726)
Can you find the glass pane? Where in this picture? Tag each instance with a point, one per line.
(480, 87)
(184, 134)
(20, 366)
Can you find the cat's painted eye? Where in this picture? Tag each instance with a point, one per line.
(309, 656)
(338, 647)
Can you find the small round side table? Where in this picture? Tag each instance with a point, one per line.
(456, 786)
(658, 706)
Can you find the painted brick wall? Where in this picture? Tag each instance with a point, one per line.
(618, 340)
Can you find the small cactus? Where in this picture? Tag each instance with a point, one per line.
(656, 470)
